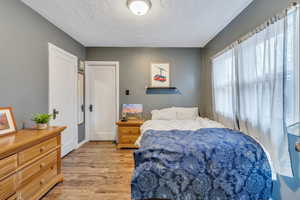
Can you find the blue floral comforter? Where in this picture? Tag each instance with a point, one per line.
(208, 164)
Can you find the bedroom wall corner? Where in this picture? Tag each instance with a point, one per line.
(205, 87)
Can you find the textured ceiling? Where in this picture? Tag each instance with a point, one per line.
(170, 23)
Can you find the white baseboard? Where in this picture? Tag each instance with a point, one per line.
(66, 149)
(82, 143)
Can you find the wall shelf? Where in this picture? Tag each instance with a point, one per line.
(161, 88)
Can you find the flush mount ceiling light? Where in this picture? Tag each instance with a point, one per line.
(139, 7)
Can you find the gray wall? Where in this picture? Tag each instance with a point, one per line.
(135, 74)
(24, 37)
(254, 15)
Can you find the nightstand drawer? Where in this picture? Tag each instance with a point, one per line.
(129, 131)
(126, 139)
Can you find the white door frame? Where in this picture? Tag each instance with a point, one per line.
(51, 49)
(93, 65)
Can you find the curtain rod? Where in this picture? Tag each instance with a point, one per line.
(259, 28)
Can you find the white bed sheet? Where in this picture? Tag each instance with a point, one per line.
(167, 125)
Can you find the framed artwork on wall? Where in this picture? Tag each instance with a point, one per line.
(160, 74)
(7, 121)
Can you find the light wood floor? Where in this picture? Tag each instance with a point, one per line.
(95, 171)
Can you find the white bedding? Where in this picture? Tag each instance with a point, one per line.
(166, 125)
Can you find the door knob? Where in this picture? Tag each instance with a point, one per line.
(91, 108)
(55, 113)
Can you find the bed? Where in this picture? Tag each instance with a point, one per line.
(199, 159)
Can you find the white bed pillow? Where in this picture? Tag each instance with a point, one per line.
(186, 113)
(164, 114)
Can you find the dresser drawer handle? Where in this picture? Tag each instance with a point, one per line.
(42, 182)
(42, 165)
(42, 149)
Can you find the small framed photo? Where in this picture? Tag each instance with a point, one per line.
(132, 111)
(160, 74)
(132, 108)
(7, 121)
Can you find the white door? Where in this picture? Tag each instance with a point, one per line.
(102, 101)
(62, 95)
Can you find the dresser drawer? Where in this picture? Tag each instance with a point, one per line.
(8, 165)
(129, 131)
(37, 150)
(37, 167)
(14, 197)
(37, 184)
(7, 187)
(127, 139)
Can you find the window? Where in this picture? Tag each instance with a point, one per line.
(256, 86)
(224, 88)
(260, 75)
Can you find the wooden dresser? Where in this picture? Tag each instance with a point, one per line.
(128, 133)
(30, 163)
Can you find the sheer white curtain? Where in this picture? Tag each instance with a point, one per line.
(256, 86)
(261, 63)
(224, 90)
(292, 70)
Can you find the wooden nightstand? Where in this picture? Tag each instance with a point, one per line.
(128, 133)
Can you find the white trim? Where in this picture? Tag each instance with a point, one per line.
(65, 150)
(91, 65)
(51, 49)
(81, 143)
